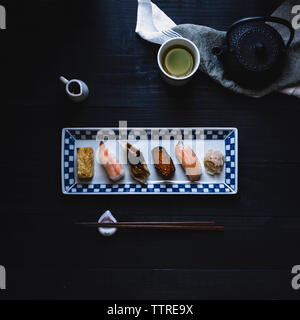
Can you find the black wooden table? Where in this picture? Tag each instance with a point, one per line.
(45, 254)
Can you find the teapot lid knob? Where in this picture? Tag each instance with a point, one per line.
(259, 48)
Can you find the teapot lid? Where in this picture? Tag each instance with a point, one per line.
(257, 46)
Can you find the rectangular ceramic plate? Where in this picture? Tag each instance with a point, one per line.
(200, 139)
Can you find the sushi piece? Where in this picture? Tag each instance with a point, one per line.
(85, 163)
(213, 161)
(138, 167)
(113, 168)
(163, 162)
(188, 159)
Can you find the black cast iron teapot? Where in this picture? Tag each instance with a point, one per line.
(254, 52)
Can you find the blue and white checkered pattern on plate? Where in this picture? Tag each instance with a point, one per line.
(68, 156)
(69, 185)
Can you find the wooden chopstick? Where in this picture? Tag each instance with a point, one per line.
(165, 223)
(197, 227)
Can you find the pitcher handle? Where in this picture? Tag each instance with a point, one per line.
(63, 79)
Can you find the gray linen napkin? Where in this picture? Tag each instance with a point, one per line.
(153, 26)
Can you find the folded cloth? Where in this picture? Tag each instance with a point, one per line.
(155, 26)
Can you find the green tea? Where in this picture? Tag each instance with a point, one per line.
(178, 61)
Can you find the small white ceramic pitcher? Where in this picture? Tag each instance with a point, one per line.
(76, 89)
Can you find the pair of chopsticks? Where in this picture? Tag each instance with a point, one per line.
(192, 225)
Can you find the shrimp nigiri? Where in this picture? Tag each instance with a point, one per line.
(113, 168)
(188, 159)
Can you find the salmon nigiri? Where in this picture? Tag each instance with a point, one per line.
(188, 159)
(113, 168)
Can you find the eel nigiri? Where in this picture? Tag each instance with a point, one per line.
(163, 162)
(138, 167)
(113, 168)
(189, 161)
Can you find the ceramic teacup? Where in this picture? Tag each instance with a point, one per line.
(76, 89)
(178, 81)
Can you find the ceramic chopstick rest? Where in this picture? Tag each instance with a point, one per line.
(107, 217)
(76, 89)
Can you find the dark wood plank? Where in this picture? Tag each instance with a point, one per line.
(95, 283)
(97, 43)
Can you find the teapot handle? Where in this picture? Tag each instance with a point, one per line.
(263, 19)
